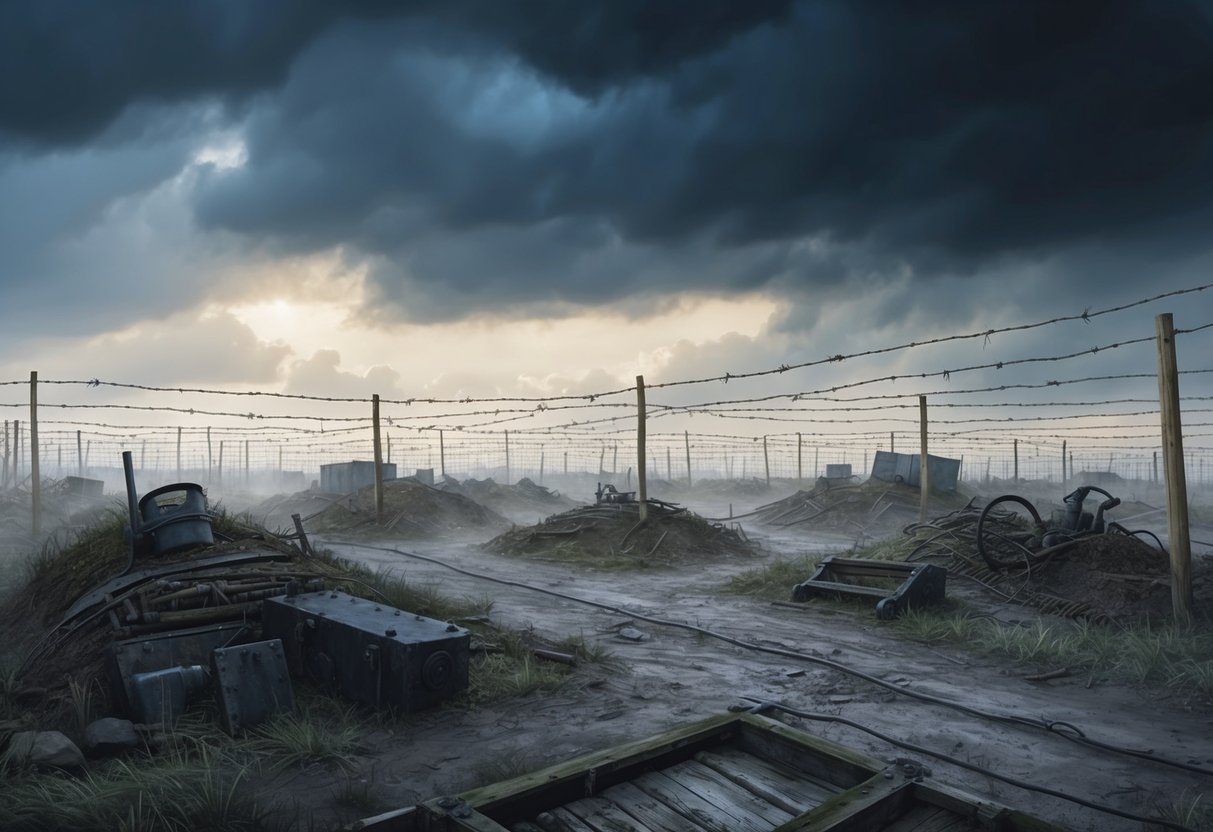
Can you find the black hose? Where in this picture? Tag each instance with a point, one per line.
(939, 755)
(1053, 727)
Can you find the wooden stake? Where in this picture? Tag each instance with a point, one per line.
(35, 471)
(178, 454)
(601, 460)
(669, 467)
(209, 456)
(4, 467)
(16, 452)
(641, 473)
(378, 451)
(766, 460)
(79, 456)
(1015, 455)
(924, 473)
(686, 438)
(219, 470)
(892, 444)
(799, 460)
(1156, 466)
(441, 454)
(389, 453)
(1173, 470)
(541, 460)
(507, 457)
(566, 462)
(246, 463)
(1063, 462)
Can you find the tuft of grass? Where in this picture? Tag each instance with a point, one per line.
(321, 731)
(772, 581)
(499, 676)
(174, 793)
(1189, 809)
(507, 765)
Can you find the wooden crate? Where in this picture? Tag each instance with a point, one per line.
(734, 773)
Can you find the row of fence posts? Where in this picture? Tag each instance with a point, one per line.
(1172, 449)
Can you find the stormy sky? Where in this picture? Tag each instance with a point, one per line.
(474, 196)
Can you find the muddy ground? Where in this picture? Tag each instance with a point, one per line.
(673, 677)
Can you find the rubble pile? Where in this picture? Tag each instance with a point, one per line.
(614, 535)
(411, 509)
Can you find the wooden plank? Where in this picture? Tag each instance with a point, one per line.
(803, 753)
(769, 781)
(532, 793)
(690, 805)
(923, 819)
(649, 810)
(846, 589)
(561, 820)
(602, 815)
(714, 787)
(871, 805)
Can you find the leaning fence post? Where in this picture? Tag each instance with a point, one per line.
(1173, 470)
(34, 463)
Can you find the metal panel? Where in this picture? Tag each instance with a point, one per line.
(252, 683)
(903, 468)
(347, 477)
(838, 471)
(374, 654)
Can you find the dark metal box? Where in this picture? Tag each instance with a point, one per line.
(369, 652)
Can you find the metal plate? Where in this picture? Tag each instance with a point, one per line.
(252, 683)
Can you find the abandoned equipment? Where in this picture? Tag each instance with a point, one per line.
(371, 653)
(919, 584)
(170, 519)
(1002, 549)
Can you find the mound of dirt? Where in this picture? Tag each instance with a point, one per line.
(872, 508)
(1121, 577)
(411, 509)
(523, 499)
(612, 535)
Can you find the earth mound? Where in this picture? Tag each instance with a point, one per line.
(411, 509)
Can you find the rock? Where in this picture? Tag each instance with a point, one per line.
(110, 736)
(45, 748)
(631, 634)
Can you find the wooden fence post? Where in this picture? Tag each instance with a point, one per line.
(209, 456)
(892, 445)
(766, 460)
(1173, 470)
(507, 457)
(799, 460)
(1063, 463)
(378, 451)
(178, 454)
(35, 470)
(924, 475)
(79, 455)
(686, 438)
(218, 470)
(566, 462)
(246, 464)
(641, 473)
(669, 466)
(441, 455)
(541, 461)
(1015, 454)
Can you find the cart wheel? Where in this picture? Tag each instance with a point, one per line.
(1004, 548)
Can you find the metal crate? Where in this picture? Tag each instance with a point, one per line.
(374, 654)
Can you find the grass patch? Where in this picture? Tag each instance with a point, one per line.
(176, 793)
(772, 581)
(1178, 658)
(320, 730)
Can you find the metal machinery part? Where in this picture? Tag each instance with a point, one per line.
(372, 653)
(921, 584)
(160, 696)
(1002, 547)
(610, 495)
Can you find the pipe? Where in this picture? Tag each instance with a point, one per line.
(132, 498)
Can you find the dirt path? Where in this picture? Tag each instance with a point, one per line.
(674, 676)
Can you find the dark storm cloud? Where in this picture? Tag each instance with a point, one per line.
(484, 153)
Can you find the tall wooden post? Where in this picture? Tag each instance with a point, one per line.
(686, 438)
(1015, 455)
(7, 453)
(669, 466)
(1064, 478)
(541, 461)
(441, 454)
(378, 450)
(641, 472)
(799, 460)
(1173, 470)
(79, 456)
(766, 460)
(389, 451)
(178, 454)
(142, 455)
(566, 462)
(16, 453)
(892, 444)
(246, 464)
(218, 471)
(924, 469)
(507, 457)
(601, 460)
(1156, 466)
(35, 470)
(209, 456)
(816, 463)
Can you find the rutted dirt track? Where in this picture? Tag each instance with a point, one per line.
(674, 676)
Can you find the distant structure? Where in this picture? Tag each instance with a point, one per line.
(347, 477)
(904, 468)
